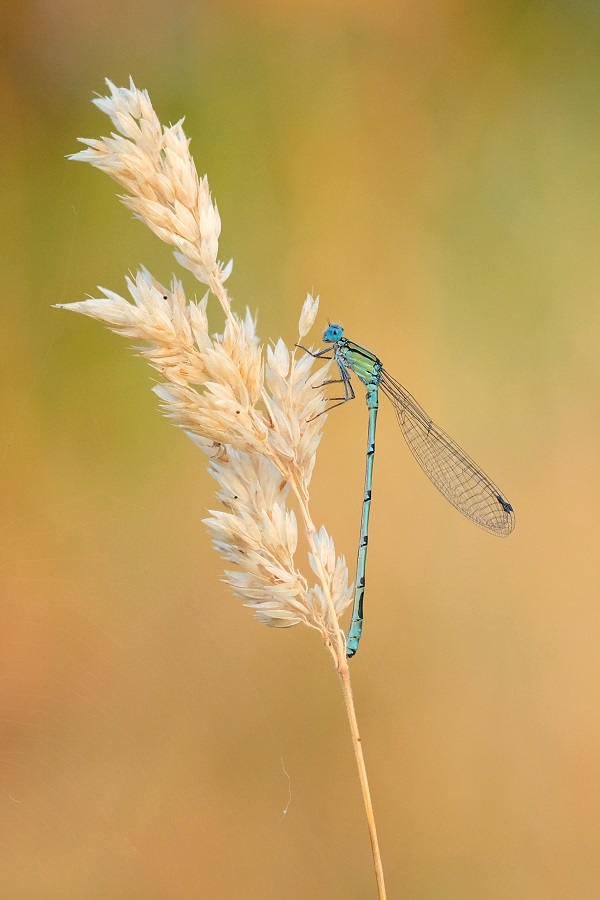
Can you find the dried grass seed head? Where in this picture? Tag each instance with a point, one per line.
(259, 421)
(154, 165)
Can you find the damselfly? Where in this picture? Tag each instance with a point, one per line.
(453, 473)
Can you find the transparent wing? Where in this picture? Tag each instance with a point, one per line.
(453, 473)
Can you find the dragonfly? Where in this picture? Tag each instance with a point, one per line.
(448, 467)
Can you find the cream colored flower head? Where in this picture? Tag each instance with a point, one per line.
(154, 165)
(257, 414)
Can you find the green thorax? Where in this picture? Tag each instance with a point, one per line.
(363, 363)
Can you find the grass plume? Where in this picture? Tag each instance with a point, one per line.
(256, 412)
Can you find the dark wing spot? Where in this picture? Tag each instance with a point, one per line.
(504, 504)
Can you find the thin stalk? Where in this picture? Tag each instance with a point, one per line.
(338, 651)
(344, 673)
(220, 291)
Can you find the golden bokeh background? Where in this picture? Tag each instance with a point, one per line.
(431, 170)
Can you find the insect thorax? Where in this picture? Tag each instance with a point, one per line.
(363, 363)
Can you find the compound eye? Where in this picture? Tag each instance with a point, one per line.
(333, 333)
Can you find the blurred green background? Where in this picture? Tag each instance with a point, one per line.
(430, 169)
